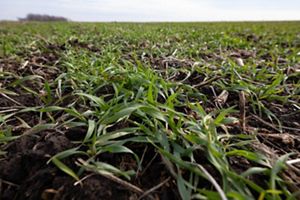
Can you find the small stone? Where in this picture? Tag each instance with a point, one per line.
(240, 62)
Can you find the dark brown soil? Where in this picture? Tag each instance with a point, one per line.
(25, 173)
(83, 45)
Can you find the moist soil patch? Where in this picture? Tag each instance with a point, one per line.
(25, 173)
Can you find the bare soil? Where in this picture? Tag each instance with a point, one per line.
(25, 173)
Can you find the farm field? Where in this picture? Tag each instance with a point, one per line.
(150, 111)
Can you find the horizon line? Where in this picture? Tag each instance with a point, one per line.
(160, 21)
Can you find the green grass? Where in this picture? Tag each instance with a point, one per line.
(160, 85)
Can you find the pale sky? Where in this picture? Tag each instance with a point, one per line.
(154, 10)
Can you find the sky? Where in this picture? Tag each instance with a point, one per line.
(154, 10)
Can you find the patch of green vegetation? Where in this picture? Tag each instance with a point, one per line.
(181, 89)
